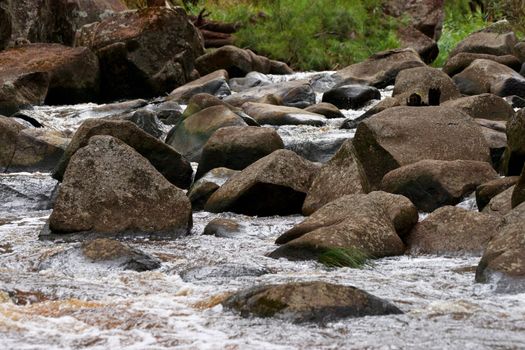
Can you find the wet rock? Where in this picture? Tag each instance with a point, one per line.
(225, 228)
(165, 159)
(202, 101)
(425, 46)
(238, 62)
(462, 60)
(214, 84)
(147, 121)
(381, 69)
(24, 192)
(518, 195)
(109, 188)
(488, 190)
(515, 152)
(452, 230)
(274, 185)
(420, 80)
(371, 223)
(237, 147)
(338, 177)
(483, 76)
(430, 184)
(386, 140)
(34, 74)
(296, 93)
(515, 101)
(227, 271)
(108, 250)
(484, 106)
(252, 79)
(192, 133)
(490, 41)
(169, 113)
(317, 302)
(500, 204)
(351, 96)
(269, 114)
(202, 189)
(128, 43)
(327, 109)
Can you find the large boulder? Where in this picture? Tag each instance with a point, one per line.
(425, 46)
(490, 41)
(425, 15)
(318, 302)
(486, 191)
(5, 26)
(515, 152)
(165, 159)
(237, 147)
(381, 69)
(404, 135)
(351, 96)
(483, 76)
(268, 114)
(273, 185)
(191, 134)
(143, 53)
(238, 62)
(457, 63)
(370, 223)
(518, 195)
(338, 177)
(215, 83)
(34, 74)
(452, 230)
(500, 204)
(109, 188)
(484, 106)
(201, 101)
(430, 184)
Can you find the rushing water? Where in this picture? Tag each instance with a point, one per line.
(64, 301)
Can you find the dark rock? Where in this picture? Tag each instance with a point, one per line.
(281, 115)
(165, 159)
(143, 53)
(192, 133)
(425, 46)
(5, 26)
(338, 177)
(386, 140)
(485, 106)
(147, 121)
(108, 188)
(273, 185)
(516, 101)
(452, 230)
(318, 302)
(327, 109)
(430, 184)
(486, 191)
(425, 15)
(225, 228)
(169, 113)
(515, 152)
(381, 69)
(351, 96)
(202, 189)
(237, 147)
(214, 84)
(462, 60)
(500, 204)
(518, 195)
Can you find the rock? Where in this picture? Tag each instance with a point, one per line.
(109, 250)
(237, 147)
(202, 189)
(327, 109)
(238, 62)
(143, 53)
(338, 177)
(47, 73)
(500, 204)
(29, 149)
(483, 76)
(503, 260)
(425, 15)
(22, 192)
(295, 93)
(169, 113)
(515, 153)
(495, 137)
(518, 195)
(252, 79)
(381, 69)
(147, 121)
(487, 42)
(431, 184)
(317, 302)
(386, 140)
(5, 27)
(462, 60)
(452, 230)
(214, 84)
(222, 271)
(485, 106)
(225, 228)
(419, 80)
(165, 159)
(371, 223)
(515, 101)
(273, 185)
(281, 115)
(192, 133)
(425, 46)
(108, 188)
(351, 96)
(488, 190)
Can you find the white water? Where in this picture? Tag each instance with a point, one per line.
(77, 304)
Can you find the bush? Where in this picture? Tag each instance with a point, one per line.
(341, 257)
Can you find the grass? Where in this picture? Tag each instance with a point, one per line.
(344, 257)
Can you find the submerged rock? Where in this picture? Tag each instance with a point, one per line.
(225, 228)
(224, 271)
(317, 302)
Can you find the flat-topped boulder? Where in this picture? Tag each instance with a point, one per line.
(493, 40)
(269, 114)
(485, 106)
(215, 83)
(462, 60)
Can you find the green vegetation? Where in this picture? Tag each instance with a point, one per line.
(341, 257)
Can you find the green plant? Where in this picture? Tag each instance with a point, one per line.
(341, 257)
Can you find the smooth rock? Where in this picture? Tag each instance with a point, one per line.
(462, 60)
(281, 115)
(215, 83)
(203, 188)
(327, 109)
(488, 190)
(225, 228)
(500, 204)
(484, 106)
(351, 96)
